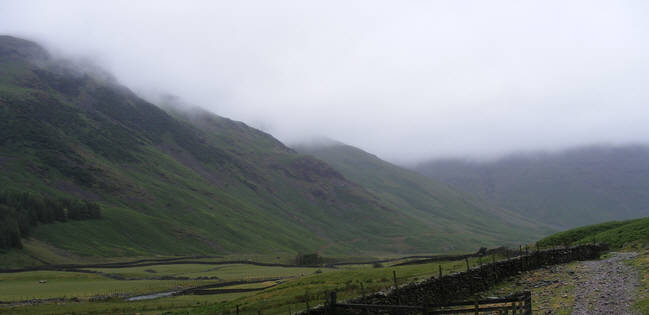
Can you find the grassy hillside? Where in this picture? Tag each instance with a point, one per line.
(189, 182)
(167, 186)
(617, 234)
(567, 189)
(459, 215)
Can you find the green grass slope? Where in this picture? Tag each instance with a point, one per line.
(566, 189)
(617, 234)
(189, 182)
(454, 216)
(169, 186)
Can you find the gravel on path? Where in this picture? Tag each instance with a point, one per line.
(606, 286)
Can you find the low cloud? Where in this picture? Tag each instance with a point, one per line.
(404, 80)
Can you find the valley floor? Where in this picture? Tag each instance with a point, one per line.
(616, 284)
(210, 286)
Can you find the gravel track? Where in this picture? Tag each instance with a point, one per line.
(606, 286)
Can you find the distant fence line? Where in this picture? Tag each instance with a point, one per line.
(150, 262)
(191, 260)
(460, 285)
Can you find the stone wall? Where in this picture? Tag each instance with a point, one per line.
(462, 285)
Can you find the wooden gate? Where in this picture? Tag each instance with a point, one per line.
(519, 303)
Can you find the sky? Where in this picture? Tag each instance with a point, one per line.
(405, 80)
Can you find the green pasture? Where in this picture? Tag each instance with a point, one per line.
(346, 281)
(27, 285)
(232, 272)
(299, 285)
(116, 306)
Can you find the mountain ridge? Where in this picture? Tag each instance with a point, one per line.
(583, 185)
(428, 199)
(179, 182)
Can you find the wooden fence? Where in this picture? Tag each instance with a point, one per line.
(518, 303)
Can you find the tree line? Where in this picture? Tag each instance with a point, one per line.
(20, 212)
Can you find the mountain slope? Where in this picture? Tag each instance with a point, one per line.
(572, 188)
(168, 185)
(458, 215)
(186, 182)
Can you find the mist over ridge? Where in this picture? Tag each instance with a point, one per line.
(407, 82)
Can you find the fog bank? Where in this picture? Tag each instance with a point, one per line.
(404, 80)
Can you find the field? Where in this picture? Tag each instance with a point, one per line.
(274, 289)
(26, 286)
(278, 289)
(224, 273)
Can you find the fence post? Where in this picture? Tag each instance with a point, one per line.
(493, 269)
(396, 286)
(467, 263)
(520, 255)
(440, 271)
(332, 303)
(394, 276)
(237, 309)
(362, 289)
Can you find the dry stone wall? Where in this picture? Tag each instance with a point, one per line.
(462, 285)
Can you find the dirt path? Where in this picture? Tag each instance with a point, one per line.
(605, 286)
